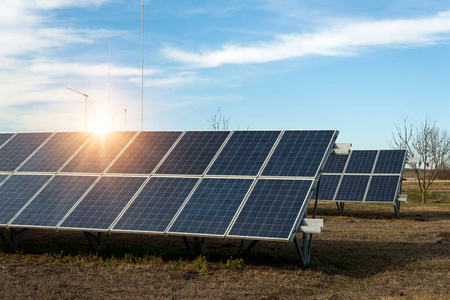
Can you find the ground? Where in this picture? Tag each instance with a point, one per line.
(365, 254)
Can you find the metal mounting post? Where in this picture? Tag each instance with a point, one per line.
(397, 208)
(340, 207)
(98, 242)
(188, 245)
(15, 238)
(304, 251)
(200, 246)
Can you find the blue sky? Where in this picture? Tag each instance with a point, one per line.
(356, 66)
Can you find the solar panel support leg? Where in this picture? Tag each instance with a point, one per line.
(98, 242)
(200, 246)
(188, 245)
(397, 208)
(340, 207)
(15, 238)
(304, 252)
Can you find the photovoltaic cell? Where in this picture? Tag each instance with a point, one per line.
(212, 207)
(101, 206)
(352, 188)
(327, 188)
(145, 152)
(99, 152)
(244, 153)
(390, 162)
(16, 192)
(335, 164)
(272, 209)
(19, 148)
(299, 153)
(193, 153)
(55, 152)
(2, 177)
(361, 161)
(383, 189)
(156, 205)
(4, 137)
(54, 201)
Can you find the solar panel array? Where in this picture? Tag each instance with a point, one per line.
(363, 176)
(237, 184)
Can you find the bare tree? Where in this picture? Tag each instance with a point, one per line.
(427, 143)
(219, 121)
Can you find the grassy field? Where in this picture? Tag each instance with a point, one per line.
(366, 254)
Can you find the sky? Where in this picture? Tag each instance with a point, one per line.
(360, 67)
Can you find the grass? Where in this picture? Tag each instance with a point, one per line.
(365, 254)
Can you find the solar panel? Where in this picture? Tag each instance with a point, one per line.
(102, 205)
(361, 161)
(383, 189)
(244, 153)
(55, 152)
(5, 137)
(335, 164)
(299, 153)
(156, 205)
(193, 153)
(352, 188)
(145, 152)
(3, 177)
(272, 209)
(390, 162)
(20, 148)
(99, 152)
(212, 206)
(54, 201)
(16, 192)
(327, 188)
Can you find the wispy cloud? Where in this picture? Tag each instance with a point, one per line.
(173, 80)
(339, 40)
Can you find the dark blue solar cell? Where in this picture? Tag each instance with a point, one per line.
(156, 205)
(244, 153)
(299, 153)
(4, 137)
(3, 177)
(103, 204)
(212, 206)
(193, 153)
(99, 152)
(52, 156)
(361, 161)
(16, 192)
(383, 189)
(54, 201)
(335, 164)
(272, 209)
(20, 148)
(145, 152)
(352, 188)
(327, 188)
(390, 162)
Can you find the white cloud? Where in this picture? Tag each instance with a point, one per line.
(344, 39)
(87, 70)
(173, 80)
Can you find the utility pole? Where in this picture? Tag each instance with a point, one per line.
(142, 70)
(85, 106)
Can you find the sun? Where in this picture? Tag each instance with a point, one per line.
(100, 126)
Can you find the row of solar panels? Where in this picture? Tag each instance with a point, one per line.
(160, 202)
(363, 176)
(235, 153)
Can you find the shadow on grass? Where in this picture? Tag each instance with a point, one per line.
(358, 259)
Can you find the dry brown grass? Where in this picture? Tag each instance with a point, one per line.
(367, 254)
